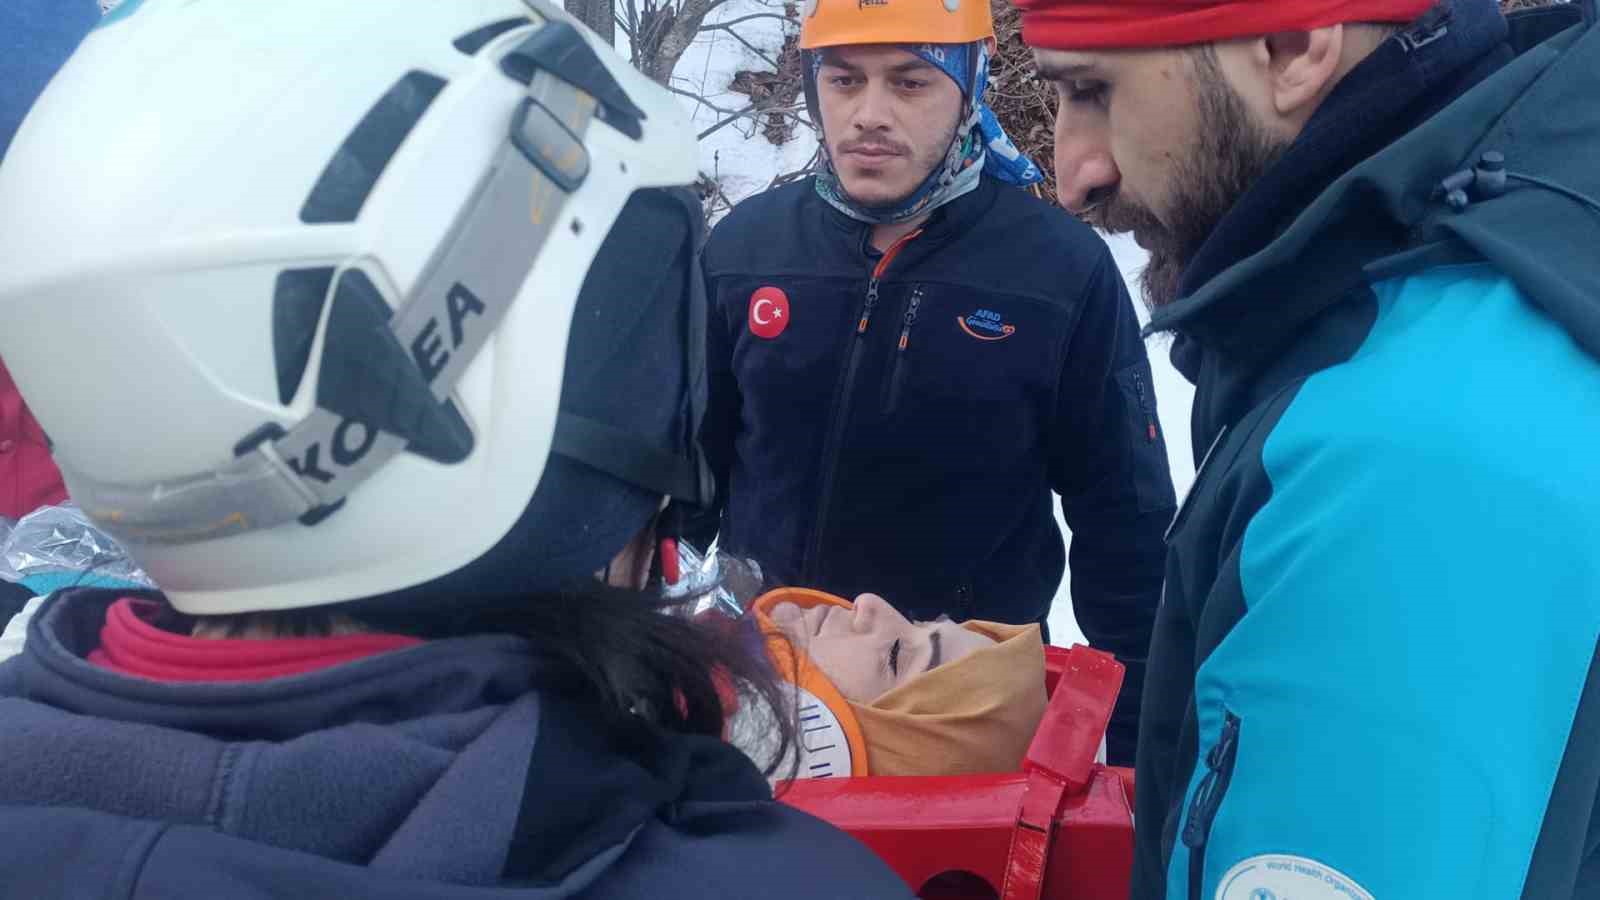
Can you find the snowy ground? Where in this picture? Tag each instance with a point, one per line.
(739, 156)
(745, 162)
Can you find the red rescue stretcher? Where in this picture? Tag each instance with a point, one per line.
(1060, 829)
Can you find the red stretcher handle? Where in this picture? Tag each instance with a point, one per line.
(1075, 720)
(1060, 762)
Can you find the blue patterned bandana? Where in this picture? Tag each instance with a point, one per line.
(980, 146)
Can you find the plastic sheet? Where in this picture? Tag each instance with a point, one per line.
(713, 581)
(62, 540)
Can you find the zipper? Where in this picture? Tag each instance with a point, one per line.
(1189, 495)
(868, 307)
(897, 371)
(1207, 798)
(1150, 430)
(841, 408)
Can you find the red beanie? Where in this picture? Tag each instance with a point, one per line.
(1086, 24)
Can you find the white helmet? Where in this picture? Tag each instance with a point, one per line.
(290, 284)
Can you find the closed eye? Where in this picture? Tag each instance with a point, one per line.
(894, 658)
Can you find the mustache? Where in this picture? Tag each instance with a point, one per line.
(877, 144)
(1116, 213)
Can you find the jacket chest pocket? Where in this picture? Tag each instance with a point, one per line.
(967, 361)
(1151, 482)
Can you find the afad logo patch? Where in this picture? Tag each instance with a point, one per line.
(986, 325)
(769, 312)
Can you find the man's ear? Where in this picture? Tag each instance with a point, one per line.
(1302, 66)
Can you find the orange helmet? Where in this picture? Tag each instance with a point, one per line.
(835, 23)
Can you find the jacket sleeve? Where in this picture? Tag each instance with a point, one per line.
(1109, 464)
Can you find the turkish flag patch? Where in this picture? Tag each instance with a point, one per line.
(769, 312)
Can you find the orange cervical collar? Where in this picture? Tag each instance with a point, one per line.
(831, 742)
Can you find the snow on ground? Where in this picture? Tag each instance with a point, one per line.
(738, 155)
(745, 162)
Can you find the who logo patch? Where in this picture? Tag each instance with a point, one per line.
(1280, 876)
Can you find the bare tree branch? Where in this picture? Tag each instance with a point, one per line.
(803, 171)
(754, 113)
(598, 15)
(743, 19)
(634, 48)
(712, 106)
(740, 38)
(658, 17)
(741, 114)
(679, 34)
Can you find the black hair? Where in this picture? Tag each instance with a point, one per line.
(636, 659)
(626, 654)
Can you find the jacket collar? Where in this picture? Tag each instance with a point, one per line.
(945, 224)
(438, 677)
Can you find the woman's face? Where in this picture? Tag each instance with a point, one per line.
(871, 649)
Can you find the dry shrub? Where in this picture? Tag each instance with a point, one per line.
(778, 90)
(1025, 106)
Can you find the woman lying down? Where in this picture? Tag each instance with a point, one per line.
(876, 694)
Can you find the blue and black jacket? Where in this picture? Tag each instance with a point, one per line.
(1374, 667)
(896, 423)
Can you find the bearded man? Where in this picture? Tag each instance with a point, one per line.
(1373, 230)
(908, 352)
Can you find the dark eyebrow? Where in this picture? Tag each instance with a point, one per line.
(1061, 72)
(911, 65)
(933, 658)
(832, 60)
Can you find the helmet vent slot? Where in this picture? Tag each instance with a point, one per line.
(473, 41)
(297, 303)
(355, 168)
